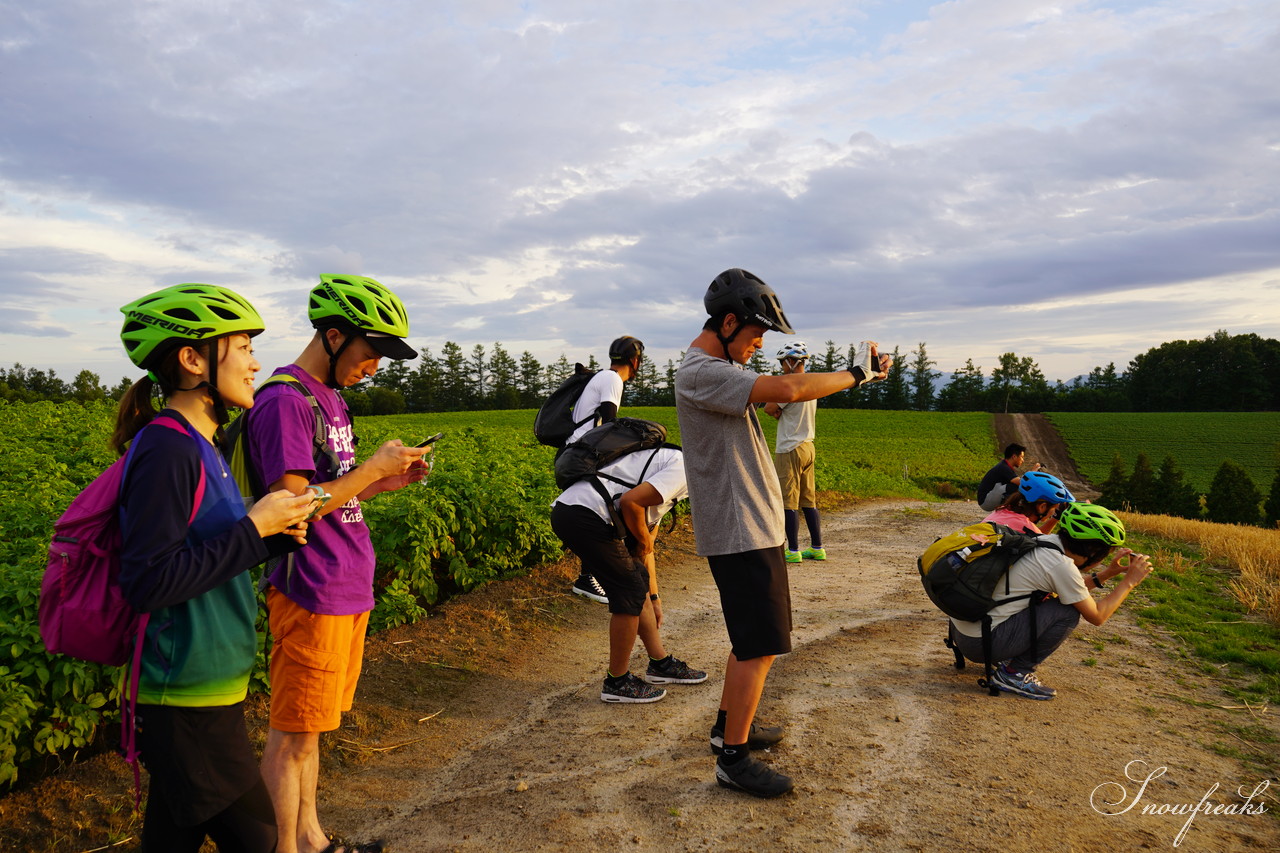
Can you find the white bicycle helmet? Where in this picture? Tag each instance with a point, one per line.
(793, 349)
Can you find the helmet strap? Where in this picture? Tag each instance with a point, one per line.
(724, 342)
(348, 338)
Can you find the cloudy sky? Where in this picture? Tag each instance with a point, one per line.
(1073, 181)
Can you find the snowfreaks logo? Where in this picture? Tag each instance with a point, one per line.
(1102, 804)
(196, 332)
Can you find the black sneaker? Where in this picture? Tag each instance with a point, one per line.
(753, 776)
(587, 586)
(672, 670)
(760, 737)
(631, 690)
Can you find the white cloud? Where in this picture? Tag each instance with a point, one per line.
(547, 172)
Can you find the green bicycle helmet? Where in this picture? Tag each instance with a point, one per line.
(183, 314)
(1090, 521)
(361, 302)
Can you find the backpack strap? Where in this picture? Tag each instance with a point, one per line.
(131, 674)
(320, 440)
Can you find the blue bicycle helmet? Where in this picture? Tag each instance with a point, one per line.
(1039, 486)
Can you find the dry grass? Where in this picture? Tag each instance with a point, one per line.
(1254, 552)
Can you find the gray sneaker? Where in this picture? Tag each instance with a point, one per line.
(1024, 684)
(631, 690)
(672, 670)
(753, 776)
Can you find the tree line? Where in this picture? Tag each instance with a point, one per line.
(1233, 497)
(1221, 372)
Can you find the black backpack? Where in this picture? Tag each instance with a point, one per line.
(554, 422)
(608, 443)
(961, 571)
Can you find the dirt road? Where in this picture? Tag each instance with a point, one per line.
(1044, 445)
(481, 729)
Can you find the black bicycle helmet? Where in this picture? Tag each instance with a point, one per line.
(746, 295)
(625, 348)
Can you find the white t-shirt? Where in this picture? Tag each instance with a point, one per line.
(1041, 570)
(795, 425)
(665, 473)
(604, 387)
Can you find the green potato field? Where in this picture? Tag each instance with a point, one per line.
(1199, 441)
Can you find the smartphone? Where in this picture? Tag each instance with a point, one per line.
(321, 500)
(432, 440)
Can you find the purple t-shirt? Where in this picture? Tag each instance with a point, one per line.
(333, 574)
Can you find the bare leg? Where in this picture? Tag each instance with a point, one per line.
(291, 769)
(743, 685)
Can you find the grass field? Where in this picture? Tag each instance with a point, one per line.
(1199, 441)
(861, 453)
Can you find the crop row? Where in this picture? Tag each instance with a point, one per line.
(1199, 441)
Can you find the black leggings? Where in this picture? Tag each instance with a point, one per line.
(246, 826)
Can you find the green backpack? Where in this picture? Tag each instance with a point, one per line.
(236, 448)
(961, 571)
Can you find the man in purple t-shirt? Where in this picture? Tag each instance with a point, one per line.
(319, 601)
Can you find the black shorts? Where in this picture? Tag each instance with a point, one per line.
(199, 759)
(755, 595)
(624, 578)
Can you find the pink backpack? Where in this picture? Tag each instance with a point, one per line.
(83, 612)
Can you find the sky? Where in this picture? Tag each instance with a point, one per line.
(1075, 181)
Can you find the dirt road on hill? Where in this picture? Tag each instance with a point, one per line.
(480, 729)
(1044, 445)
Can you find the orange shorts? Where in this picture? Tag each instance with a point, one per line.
(315, 664)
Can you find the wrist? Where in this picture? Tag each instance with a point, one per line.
(859, 375)
(653, 596)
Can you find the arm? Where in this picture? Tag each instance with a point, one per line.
(801, 387)
(392, 466)
(631, 507)
(159, 567)
(1096, 612)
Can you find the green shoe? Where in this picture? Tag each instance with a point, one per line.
(794, 557)
(813, 554)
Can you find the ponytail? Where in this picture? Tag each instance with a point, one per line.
(138, 405)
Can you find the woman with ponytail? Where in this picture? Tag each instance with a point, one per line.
(187, 546)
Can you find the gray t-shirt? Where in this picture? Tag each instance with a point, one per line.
(733, 487)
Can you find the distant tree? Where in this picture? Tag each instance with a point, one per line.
(87, 387)
(1143, 491)
(1247, 365)
(921, 379)
(503, 378)
(896, 392)
(556, 372)
(830, 360)
(120, 388)
(1115, 489)
(1017, 382)
(357, 401)
(392, 375)
(1175, 496)
(478, 377)
(456, 390)
(592, 364)
(1233, 498)
(530, 381)
(760, 363)
(643, 389)
(964, 392)
(384, 401)
(422, 388)
(1271, 509)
